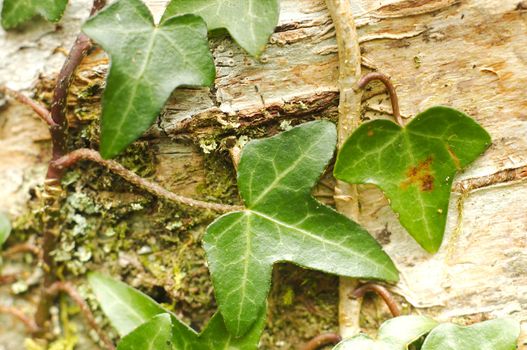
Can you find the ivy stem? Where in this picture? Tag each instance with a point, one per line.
(60, 94)
(116, 168)
(347, 195)
(53, 189)
(382, 292)
(67, 288)
(366, 79)
(322, 340)
(23, 248)
(41, 111)
(30, 325)
(8, 279)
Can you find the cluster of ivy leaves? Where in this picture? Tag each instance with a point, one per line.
(414, 165)
(144, 324)
(149, 60)
(403, 332)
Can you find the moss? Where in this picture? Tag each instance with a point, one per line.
(302, 304)
(109, 225)
(220, 179)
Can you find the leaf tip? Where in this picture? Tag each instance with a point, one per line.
(5, 228)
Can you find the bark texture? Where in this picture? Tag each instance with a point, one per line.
(469, 54)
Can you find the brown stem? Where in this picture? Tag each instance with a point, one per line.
(8, 279)
(60, 94)
(322, 340)
(366, 79)
(97, 6)
(23, 248)
(69, 289)
(88, 154)
(380, 291)
(49, 241)
(59, 138)
(40, 110)
(31, 326)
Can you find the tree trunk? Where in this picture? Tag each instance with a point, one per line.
(468, 54)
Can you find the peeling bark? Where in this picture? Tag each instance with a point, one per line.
(469, 54)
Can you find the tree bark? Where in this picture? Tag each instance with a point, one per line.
(469, 54)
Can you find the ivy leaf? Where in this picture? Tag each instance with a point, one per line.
(283, 222)
(414, 165)
(216, 336)
(249, 22)
(401, 331)
(131, 312)
(499, 334)
(395, 334)
(17, 12)
(127, 308)
(360, 342)
(154, 334)
(5, 228)
(148, 62)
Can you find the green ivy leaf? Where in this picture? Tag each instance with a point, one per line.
(283, 222)
(499, 334)
(401, 331)
(395, 334)
(216, 336)
(5, 228)
(131, 312)
(361, 342)
(249, 22)
(154, 334)
(17, 12)
(148, 62)
(127, 308)
(414, 165)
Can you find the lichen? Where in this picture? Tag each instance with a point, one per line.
(111, 226)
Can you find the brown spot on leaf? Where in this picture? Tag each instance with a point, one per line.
(421, 176)
(456, 160)
(371, 132)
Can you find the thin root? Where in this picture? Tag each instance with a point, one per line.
(366, 79)
(69, 289)
(151, 187)
(23, 248)
(40, 110)
(30, 325)
(322, 340)
(380, 291)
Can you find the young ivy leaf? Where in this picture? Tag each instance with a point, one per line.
(154, 334)
(395, 334)
(17, 12)
(148, 62)
(499, 334)
(5, 228)
(283, 222)
(135, 316)
(249, 22)
(126, 307)
(414, 165)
